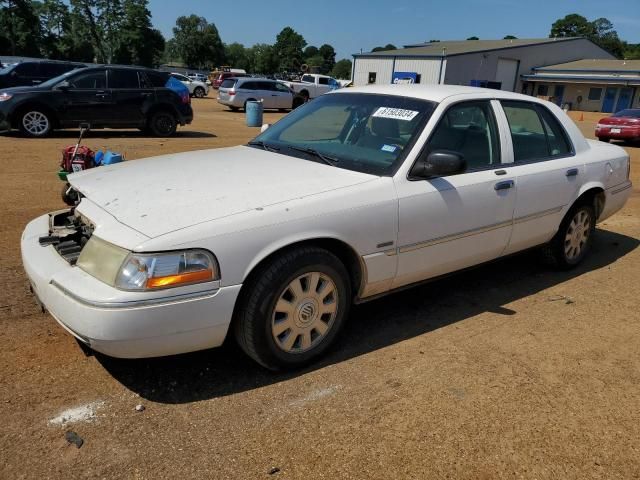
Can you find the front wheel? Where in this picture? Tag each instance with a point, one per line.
(163, 124)
(35, 123)
(199, 92)
(572, 242)
(293, 308)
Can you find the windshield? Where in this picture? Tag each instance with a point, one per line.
(368, 133)
(7, 69)
(633, 113)
(55, 80)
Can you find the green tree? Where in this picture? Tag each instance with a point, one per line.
(198, 42)
(237, 56)
(317, 62)
(388, 46)
(264, 59)
(104, 20)
(600, 31)
(140, 43)
(19, 28)
(342, 69)
(309, 52)
(510, 37)
(288, 50)
(328, 53)
(631, 51)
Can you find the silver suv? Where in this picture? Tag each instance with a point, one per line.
(236, 92)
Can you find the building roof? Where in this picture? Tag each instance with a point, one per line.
(595, 65)
(461, 47)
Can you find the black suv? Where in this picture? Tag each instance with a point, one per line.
(104, 97)
(34, 72)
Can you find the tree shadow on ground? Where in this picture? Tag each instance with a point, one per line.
(371, 326)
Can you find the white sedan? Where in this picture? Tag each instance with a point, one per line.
(197, 88)
(359, 193)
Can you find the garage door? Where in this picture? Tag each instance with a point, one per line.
(506, 73)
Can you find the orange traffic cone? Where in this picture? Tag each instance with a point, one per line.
(581, 117)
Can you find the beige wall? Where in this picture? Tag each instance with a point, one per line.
(575, 90)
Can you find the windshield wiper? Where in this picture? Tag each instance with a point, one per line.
(260, 143)
(325, 158)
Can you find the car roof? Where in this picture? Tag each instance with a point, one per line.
(436, 93)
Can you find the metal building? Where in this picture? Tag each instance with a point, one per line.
(488, 63)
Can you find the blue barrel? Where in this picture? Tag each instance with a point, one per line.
(253, 112)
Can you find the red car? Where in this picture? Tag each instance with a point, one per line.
(624, 125)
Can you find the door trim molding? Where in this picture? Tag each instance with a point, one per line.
(477, 231)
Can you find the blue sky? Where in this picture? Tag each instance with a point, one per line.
(350, 25)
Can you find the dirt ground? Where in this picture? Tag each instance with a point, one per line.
(509, 371)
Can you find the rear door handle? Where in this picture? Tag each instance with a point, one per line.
(507, 184)
(572, 172)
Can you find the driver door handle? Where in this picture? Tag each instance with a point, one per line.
(572, 172)
(507, 184)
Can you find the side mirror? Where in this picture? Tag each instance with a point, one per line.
(439, 163)
(264, 127)
(64, 86)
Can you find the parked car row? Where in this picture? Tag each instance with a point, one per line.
(103, 96)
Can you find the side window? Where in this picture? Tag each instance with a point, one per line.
(89, 80)
(556, 137)
(308, 78)
(266, 86)
(154, 79)
(27, 69)
(535, 135)
(123, 79)
(248, 86)
(470, 129)
(323, 81)
(282, 88)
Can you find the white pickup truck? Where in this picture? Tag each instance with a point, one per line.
(312, 85)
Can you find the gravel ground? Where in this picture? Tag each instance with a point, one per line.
(508, 371)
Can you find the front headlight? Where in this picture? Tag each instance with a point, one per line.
(4, 96)
(164, 270)
(126, 270)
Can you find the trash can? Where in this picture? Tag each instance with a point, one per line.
(253, 112)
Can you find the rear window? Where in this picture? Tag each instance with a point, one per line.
(229, 83)
(27, 69)
(155, 79)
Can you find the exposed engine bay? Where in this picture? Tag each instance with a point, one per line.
(68, 233)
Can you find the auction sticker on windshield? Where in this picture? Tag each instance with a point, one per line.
(396, 113)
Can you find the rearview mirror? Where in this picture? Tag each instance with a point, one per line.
(439, 163)
(264, 127)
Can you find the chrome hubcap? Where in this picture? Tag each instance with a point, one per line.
(577, 235)
(36, 123)
(304, 313)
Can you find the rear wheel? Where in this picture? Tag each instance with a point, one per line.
(293, 308)
(34, 122)
(297, 102)
(163, 124)
(572, 242)
(199, 92)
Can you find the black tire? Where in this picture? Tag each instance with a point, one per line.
(163, 124)
(604, 139)
(256, 311)
(234, 109)
(297, 102)
(35, 122)
(559, 250)
(305, 95)
(199, 92)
